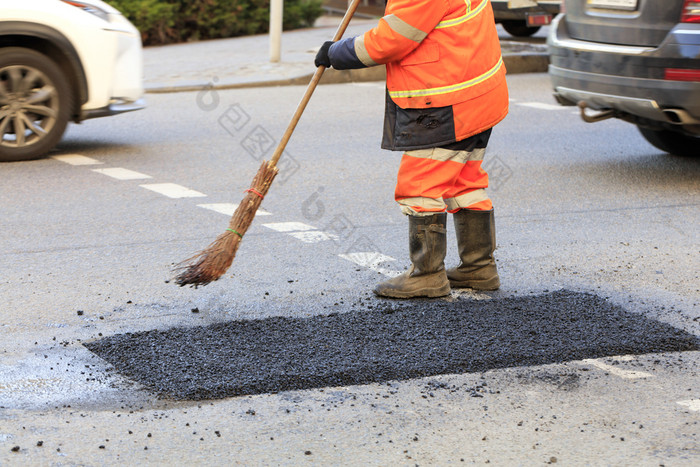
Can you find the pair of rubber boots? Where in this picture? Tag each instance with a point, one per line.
(427, 277)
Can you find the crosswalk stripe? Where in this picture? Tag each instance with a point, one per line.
(172, 190)
(613, 370)
(122, 174)
(289, 226)
(543, 106)
(692, 404)
(371, 260)
(76, 159)
(229, 208)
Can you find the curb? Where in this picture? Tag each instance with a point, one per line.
(529, 62)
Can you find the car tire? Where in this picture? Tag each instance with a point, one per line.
(672, 142)
(35, 102)
(519, 28)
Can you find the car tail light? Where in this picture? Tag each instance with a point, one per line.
(691, 12)
(682, 74)
(537, 19)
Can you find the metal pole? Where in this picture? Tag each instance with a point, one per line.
(276, 13)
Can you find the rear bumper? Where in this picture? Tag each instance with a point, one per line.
(658, 100)
(627, 79)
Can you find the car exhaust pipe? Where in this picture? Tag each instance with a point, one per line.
(604, 115)
(680, 117)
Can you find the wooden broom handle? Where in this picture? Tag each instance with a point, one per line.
(312, 86)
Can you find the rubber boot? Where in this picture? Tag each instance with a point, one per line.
(427, 245)
(476, 241)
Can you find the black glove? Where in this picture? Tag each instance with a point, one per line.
(322, 58)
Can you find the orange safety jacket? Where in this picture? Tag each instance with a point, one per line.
(439, 54)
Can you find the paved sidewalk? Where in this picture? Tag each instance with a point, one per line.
(244, 61)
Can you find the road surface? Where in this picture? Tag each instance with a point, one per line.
(584, 212)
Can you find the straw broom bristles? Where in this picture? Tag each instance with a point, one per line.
(211, 263)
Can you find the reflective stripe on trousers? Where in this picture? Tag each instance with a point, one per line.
(438, 180)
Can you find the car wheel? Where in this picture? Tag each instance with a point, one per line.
(35, 104)
(519, 28)
(673, 142)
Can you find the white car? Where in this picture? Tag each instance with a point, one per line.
(62, 61)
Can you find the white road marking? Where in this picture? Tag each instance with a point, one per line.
(76, 159)
(372, 260)
(313, 236)
(172, 190)
(624, 358)
(467, 293)
(304, 232)
(289, 226)
(692, 404)
(122, 174)
(229, 208)
(613, 370)
(543, 106)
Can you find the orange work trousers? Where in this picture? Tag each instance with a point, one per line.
(439, 180)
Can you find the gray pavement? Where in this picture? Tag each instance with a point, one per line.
(86, 256)
(245, 61)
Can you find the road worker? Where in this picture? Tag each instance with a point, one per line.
(446, 89)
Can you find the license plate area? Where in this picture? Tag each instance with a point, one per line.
(626, 5)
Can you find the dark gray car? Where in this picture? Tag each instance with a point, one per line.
(636, 60)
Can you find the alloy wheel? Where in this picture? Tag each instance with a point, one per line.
(29, 106)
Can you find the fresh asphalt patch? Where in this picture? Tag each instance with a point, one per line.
(395, 340)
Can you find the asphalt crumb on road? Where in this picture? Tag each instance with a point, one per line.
(396, 340)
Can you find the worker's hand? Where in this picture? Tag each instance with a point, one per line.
(322, 58)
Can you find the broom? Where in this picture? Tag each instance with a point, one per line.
(211, 263)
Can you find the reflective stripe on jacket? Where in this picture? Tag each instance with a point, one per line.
(438, 52)
(442, 55)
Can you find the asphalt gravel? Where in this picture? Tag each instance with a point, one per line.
(390, 340)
